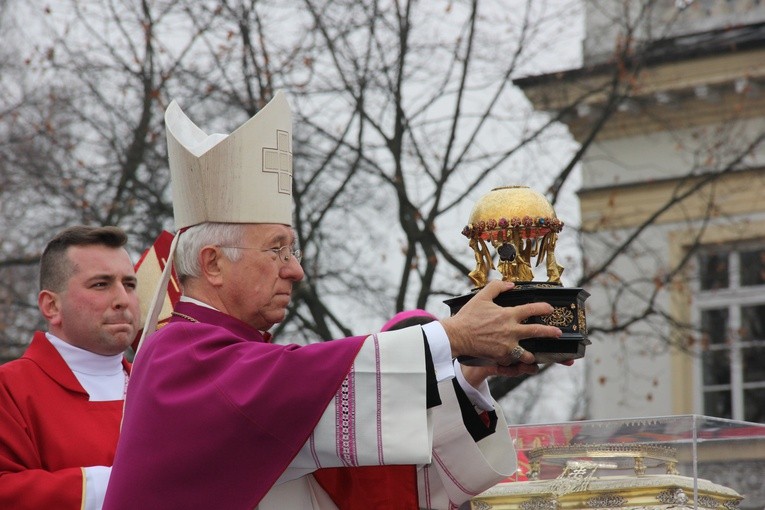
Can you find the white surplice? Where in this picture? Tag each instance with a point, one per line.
(379, 416)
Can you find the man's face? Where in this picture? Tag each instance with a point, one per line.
(257, 288)
(98, 310)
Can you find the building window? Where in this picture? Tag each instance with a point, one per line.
(730, 310)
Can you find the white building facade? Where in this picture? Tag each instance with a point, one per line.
(677, 173)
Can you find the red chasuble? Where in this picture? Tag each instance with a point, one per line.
(371, 486)
(214, 414)
(49, 430)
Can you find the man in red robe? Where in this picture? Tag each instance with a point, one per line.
(61, 402)
(217, 416)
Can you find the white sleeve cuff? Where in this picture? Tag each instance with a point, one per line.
(440, 350)
(480, 397)
(96, 480)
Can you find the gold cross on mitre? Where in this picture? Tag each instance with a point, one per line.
(279, 160)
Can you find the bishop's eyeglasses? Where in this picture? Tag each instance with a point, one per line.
(284, 252)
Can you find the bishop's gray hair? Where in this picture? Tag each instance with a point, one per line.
(191, 242)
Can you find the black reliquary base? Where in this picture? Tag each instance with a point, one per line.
(568, 315)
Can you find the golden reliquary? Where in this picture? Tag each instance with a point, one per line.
(607, 476)
(521, 226)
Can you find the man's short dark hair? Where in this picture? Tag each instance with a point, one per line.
(55, 267)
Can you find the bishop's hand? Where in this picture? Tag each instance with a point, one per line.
(483, 329)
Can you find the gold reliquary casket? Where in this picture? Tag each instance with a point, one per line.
(521, 226)
(585, 482)
(678, 462)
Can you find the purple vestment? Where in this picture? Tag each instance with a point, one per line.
(214, 414)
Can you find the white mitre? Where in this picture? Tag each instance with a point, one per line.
(244, 177)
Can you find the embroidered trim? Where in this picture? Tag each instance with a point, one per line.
(314, 453)
(378, 385)
(345, 419)
(452, 477)
(184, 316)
(124, 388)
(426, 482)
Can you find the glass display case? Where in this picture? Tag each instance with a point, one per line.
(673, 462)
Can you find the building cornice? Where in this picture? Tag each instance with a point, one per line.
(624, 207)
(673, 90)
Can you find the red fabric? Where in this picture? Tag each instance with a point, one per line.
(160, 250)
(49, 430)
(370, 487)
(214, 414)
(156, 258)
(530, 437)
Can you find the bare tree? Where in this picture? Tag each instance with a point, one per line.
(83, 134)
(406, 113)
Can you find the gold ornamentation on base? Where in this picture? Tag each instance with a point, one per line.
(607, 500)
(637, 453)
(560, 317)
(674, 496)
(539, 504)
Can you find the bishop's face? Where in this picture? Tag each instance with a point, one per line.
(257, 288)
